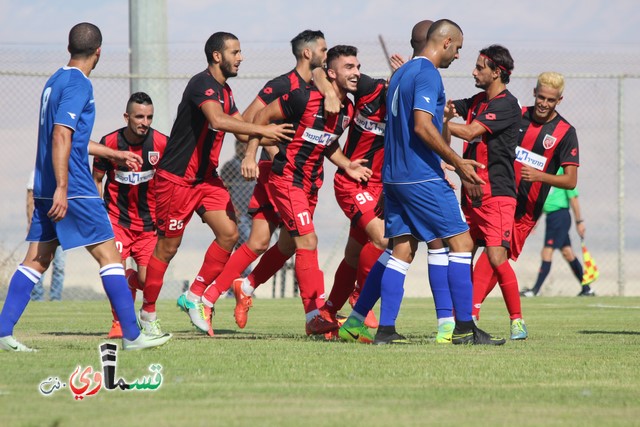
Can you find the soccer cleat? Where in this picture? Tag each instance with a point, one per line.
(370, 321)
(145, 341)
(445, 331)
(474, 336)
(518, 330)
(322, 323)
(353, 330)
(383, 338)
(151, 327)
(243, 303)
(587, 292)
(116, 330)
(199, 314)
(9, 343)
(528, 293)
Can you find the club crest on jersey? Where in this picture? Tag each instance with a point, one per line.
(154, 157)
(549, 141)
(345, 121)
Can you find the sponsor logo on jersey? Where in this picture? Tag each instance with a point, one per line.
(530, 158)
(134, 178)
(549, 141)
(318, 137)
(72, 115)
(208, 92)
(490, 116)
(154, 157)
(369, 125)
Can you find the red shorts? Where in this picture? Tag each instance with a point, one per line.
(295, 205)
(359, 203)
(261, 205)
(521, 229)
(136, 244)
(176, 203)
(491, 224)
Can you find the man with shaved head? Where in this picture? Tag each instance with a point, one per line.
(419, 203)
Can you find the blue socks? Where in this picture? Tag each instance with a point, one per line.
(392, 290)
(115, 285)
(18, 296)
(438, 260)
(459, 275)
(371, 291)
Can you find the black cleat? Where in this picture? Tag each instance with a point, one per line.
(474, 336)
(587, 292)
(388, 335)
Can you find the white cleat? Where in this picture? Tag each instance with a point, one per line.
(9, 343)
(145, 340)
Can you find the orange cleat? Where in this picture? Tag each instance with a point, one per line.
(243, 303)
(322, 323)
(116, 330)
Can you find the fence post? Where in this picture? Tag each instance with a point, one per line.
(621, 234)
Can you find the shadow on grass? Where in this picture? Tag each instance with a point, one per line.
(75, 333)
(609, 332)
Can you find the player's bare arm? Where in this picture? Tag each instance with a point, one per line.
(432, 138)
(98, 175)
(468, 132)
(568, 180)
(223, 122)
(61, 150)
(263, 117)
(122, 158)
(354, 168)
(332, 104)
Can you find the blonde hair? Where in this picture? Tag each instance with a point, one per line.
(551, 79)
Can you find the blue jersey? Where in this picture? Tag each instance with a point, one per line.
(417, 85)
(67, 100)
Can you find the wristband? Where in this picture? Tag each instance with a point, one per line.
(579, 221)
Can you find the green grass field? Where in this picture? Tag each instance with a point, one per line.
(579, 367)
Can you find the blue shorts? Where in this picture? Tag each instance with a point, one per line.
(86, 223)
(427, 210)
(556, 234)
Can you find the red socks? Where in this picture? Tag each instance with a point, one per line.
(343, 284)
(153, 284)
(214, 261)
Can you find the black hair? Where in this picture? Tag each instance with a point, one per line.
(139, 98)
(340, 50)
(299, 42)
(498, 57)
(215, 43)
(84, 40)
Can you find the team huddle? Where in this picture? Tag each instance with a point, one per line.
(391, 183)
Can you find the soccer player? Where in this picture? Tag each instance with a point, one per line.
(556, 236)
(297, 171)
(437, 251)
(360, 200)
(130, 199)
(187, 180)
(68, 211)
(491, 136)
(546, 143)
(310, 50)
(419, 203)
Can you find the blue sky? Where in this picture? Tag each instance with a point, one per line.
(562, 25)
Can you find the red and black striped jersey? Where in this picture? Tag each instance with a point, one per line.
(129, 195)
(545, 147)
(496, 148)
(366, 134)
(301, 160)
(277, 87)
(193, 149)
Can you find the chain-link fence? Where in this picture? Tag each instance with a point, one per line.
(598, 102)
